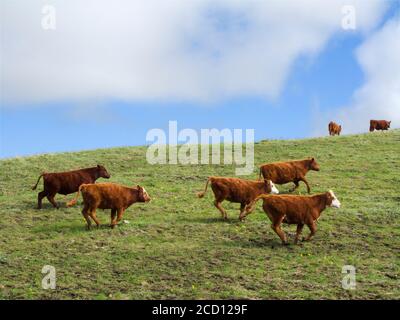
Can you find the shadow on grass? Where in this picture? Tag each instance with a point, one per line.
(72, 228)
(272, 243)
(212, 220)
(263, 243)
(32, 205)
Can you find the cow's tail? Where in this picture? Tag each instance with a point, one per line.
(75, 200)
(201, 194)
(259, 174)
(37, 182)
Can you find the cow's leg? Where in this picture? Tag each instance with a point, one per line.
(276, 226)
(313, 229)
(120, 212)
(306, 182)
(296, 185)
(92, 214)
(86, 216)
(222, 210)
(298, 232)
(41, 195)
(113, 218)
(242, 215)
(50, 197)
(279, 232)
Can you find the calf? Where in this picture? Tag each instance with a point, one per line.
(238, 191)
(298, 210)
(334, 128)
(67, 182)
(108, 196)
(291, 171)
(379, 125)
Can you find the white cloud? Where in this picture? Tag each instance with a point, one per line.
(379, 97)
(186, 50)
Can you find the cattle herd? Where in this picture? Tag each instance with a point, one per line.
(289, 209)
(335, 129)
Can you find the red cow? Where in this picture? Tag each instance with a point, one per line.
(334, 128)
(67, 182)
(108, 196)
(379, 125)
(290, 171)
(237, 190)
(291, 209)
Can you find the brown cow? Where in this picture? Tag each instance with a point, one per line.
(291, 209)
(108, 196)
(379, 125)
(290, 171)
(237, 190)
(67, 182)
(334, 128)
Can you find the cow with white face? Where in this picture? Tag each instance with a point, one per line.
(274, 189)
(335, 203)
(143, 195)
(299, 210)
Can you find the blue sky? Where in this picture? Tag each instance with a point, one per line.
(319, 83)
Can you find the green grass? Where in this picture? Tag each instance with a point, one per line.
(177, 246)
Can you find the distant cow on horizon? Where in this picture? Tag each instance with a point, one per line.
(67, 182)
(334, 128)
(379, 125)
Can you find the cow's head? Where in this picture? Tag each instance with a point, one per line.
(102, 172)
(332, 200)
(270, 187)
(143, 195)
(340, 129)
(314, 165)
(389, 122)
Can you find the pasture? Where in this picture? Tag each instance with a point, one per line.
(178, 247)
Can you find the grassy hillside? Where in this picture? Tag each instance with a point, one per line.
(177, 246)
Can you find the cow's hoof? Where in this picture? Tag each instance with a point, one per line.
(285, 243)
